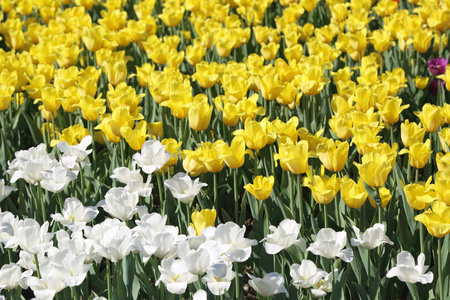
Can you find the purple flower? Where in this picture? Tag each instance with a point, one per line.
(434, 86)
(437, 65)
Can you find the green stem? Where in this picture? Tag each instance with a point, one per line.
(188, 215)
(160, 193)
(300, 200)
(441, 286)
(216, 198)
(325, 215)
(38, 270)
(236, 278)
(291, 194)
(41, 198)
(108, 278)
(255, 162)
(368, 265)
(235, 193)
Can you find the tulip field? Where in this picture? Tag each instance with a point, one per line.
(224, 149)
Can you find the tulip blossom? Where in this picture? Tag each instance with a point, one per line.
(30, 163)
(57, 178)
(134, 181)
(333, 155)
(74, 215)
(371, 238)
(175, 275)
(436, 219)
(271, 284)
(419, 195)
(306, 274)
(261, 187)
(437, 66)
(406, 269)
(76, 150)
(430, 117)
(5, 190)
(153, 156)
(283, 236)
(183, 187)
(120, 203)
(418, 154)
(11, 276)
(330, 244)
(202, 219)
(31, 237)
(218, 277)
(354, 194)
(324, 188)
(231, 234)
(324, 286)
(293, 157)
(196, 260)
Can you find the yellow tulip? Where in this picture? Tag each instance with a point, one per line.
(324, 188)
(443, 161)
(421, 82)
(200, 116)
(418, 154)
(354, 194)
(430, 117)
(375, 168)
(391, 110)
(202, 219)
(293, 157)
(385, 196)
(172, 146)
(234, 155)
(6, 92)
(261, 187)
(333, 155)
(442, 186)
(419, 195)
(436, 219)
(72, 135)
(256, 137)
(135, 137)
(411, 133)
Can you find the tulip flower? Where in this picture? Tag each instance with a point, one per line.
(385, 196)
(74, 215)
(371, 238)
(283, 236)
(411, 133)
(324, 188)
(175, 275)
(293, 157)
(354, 194)
(271, 284)
(330, 244)
(153, 156)
(233, 235)
(200, 116)
(436, 219)
(419, 195)
(234, 155)
(202, 219)
(183, 187)
(442, 187)
(218, 277)
(406, 269)
(430, 117)
(306, 274)
(333, 155)
(437, 66)
(5, 190)
(374, 170)
(31, 237)
(11, 276)
(261, 187)
(120, 203)
(419, 153)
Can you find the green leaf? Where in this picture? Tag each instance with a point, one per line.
(338, 288)
(409, 212)
(361, 291)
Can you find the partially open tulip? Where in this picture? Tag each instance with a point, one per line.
(261, 187)
(324, 188)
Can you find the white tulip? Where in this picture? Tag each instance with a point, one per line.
(231, 234)
(69, 266)
(7, 223)
(153, 156)
(79, 151)
(134, 181)
(218, 277)
(271, 284)
(306, 274)
(74, 215)
(330, 244)
(183, 187)
(30, 163)
(371, 238)
(200, 295)
(406, 269)
(57, 178)
(120, 203)
(283, 236)
(31, 237)
(175, 275)
(5, 190)
(324, 286)
(11, 276)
